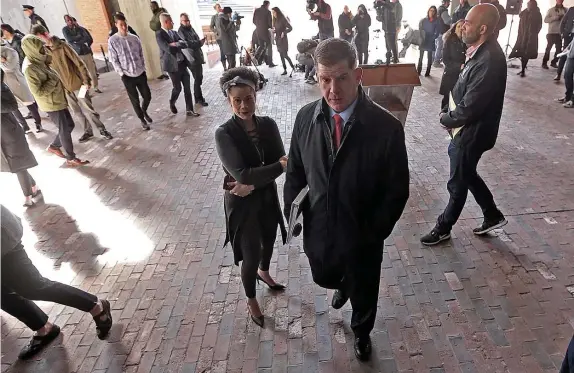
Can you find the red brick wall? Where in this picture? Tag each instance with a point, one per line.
(94, 17)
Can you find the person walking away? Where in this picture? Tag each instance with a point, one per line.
(228, 31)
(50, 95)
(16, 156)
(174, 62)
(14, 79)
(263, 22)
(34, 18)
(429, 29)
(362, 22)
(526, 47)
(155, 26)
(194, 56)
(351, 154)
(73, 74)
(454, 57)
(345, 24)
(386, 15)
(324, 17)
(213, 28)
(473, 123)
(22, 284)
(567, 32)
(126, 56)
(553, 17)
(568, 99)
(444, 22)
(252, 155)
(461, 11)
(281, 29)
(14, 40)
(81, 41)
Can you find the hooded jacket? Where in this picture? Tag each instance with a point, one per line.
(155, 23)
(44, 83)
(69, 66)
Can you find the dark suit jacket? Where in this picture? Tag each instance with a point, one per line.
(169, 54)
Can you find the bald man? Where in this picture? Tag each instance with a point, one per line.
(472, 120)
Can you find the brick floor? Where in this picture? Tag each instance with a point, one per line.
(143, 227)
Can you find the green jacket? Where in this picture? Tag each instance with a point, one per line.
(155, 23)
(44, 82)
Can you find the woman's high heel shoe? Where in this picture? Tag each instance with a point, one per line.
(258, 320)
(277, 287)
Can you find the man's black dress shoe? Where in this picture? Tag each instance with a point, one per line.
(339, 299)
(363, 348)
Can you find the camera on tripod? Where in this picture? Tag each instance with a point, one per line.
(311, 6)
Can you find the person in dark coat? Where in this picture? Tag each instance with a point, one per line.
(281, 28)
(345, 23)
(526, 47)
(473, 122)
(227, 29)
(16, 155)
(263, 24)
(386, 14)
(34, 18)
(454, 56)
(429, 28)
(567, 33)
(362, 22)
(252, 154)
(351, 154)
(194, 56)
(461, 11)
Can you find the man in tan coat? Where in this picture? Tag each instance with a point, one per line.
(73, 74)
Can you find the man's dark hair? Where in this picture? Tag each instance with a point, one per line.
(332, 51)
(266, 3)
(242, 72)
(119, 17)
(38, 30)
(227, 10)
(154, 3)
(68, 16)
(7, 27)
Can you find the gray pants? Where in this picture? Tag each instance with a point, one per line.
(63, 119)
(84, 110)
(91, 65)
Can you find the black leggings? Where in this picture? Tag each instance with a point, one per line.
(363, 53)
(524, 62)
(230, 60)
(429, 61)
(257, 241)
(284, 57)
(26, 182)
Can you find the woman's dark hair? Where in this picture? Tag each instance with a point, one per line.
(7, 27)
(451, 32)
(362, 6)
(279, 13)
(242, 72)
(435, 11)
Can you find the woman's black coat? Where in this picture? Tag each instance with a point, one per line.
(282, 26)
(362, 24)
(454, 55)
(247, 164)
(528, 29)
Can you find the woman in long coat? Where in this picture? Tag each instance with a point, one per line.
(281, 28)
(362, 22)
(228, 32)
(16, 156)
(252, 154)
(454, 56)
(526, 47)
(14, 79)
(429, 29)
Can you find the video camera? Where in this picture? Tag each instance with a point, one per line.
(236, 17)
(311, 6)
(379, 7)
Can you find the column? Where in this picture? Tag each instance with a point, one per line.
(176, 7)
(138, 15)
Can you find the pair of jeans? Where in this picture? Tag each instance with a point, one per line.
(464, 177)
(26, 182)
(179, 78)
(429, 61)
(562, 62)
(325, 36)
(84, 110)
(554, 40)
(22, 283)
(133, 85)
(569, 79)
(63, 119)
(438, 52)
(568, 362)
(391, 45)
(197, 73)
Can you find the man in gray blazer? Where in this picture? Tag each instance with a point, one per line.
(174, 62)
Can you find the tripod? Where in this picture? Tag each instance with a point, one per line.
(509, 61)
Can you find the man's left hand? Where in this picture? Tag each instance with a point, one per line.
(240, 190)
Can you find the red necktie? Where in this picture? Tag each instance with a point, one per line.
(338, 134)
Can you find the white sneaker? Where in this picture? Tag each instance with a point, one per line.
(569, 104)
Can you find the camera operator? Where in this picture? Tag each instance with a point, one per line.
(322, 14)
(263, 23)
(228, 28)
(386, 14)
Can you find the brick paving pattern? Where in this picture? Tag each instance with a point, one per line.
(498, 304)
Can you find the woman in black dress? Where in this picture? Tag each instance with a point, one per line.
(252, 154)
(526, 47)
(362, 22)
(454, 56)
(282, 27)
